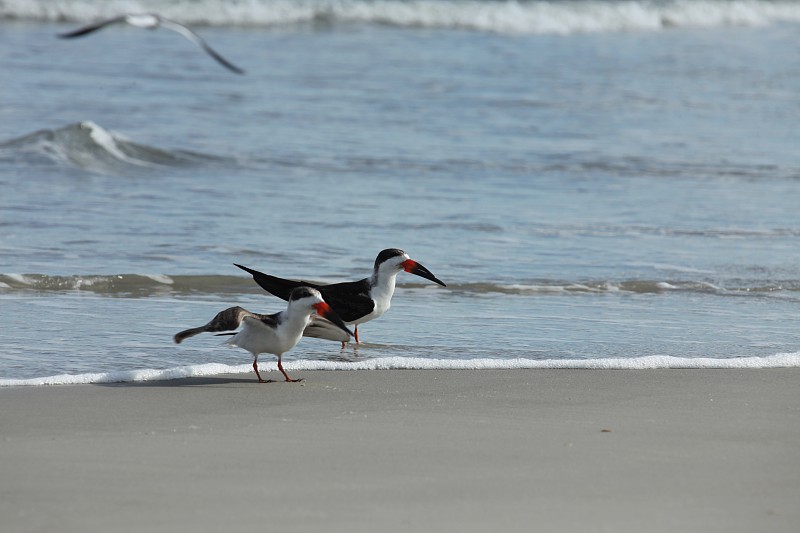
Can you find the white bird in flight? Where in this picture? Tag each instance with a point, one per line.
(152, 21)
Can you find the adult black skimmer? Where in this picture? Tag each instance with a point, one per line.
(277, 333)
(355, 302)
(152, 21)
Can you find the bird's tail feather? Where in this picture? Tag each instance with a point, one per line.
(185, 334)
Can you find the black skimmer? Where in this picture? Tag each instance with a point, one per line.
(277, 333)
(355, 302)
(152, 21)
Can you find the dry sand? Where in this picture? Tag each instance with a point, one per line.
(518, 450)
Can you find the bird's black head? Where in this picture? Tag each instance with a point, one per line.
(393, 260)
(387, 254)
(300, 293)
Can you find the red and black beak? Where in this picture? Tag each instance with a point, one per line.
(324, 310)
(413, 267)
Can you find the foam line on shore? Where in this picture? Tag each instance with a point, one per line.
(781, 360)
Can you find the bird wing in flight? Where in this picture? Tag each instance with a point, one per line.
(199, 41)
(89, 28)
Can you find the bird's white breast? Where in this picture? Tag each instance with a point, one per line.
(381, 294)
(257, 337)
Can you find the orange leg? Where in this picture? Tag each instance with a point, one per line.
(280, 367)
(356, 332)
(255, 367)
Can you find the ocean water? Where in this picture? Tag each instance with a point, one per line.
(601, 184)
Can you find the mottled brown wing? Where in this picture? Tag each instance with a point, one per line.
(228, 320)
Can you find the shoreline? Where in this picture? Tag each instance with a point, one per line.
(520, 450)
(647, 362)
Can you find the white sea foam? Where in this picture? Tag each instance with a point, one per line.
(495, 16)
(19, 278)
(160, 278)
(107, 141)
(104, 139)
(781, 360)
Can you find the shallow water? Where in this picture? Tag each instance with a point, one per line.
(585, 196)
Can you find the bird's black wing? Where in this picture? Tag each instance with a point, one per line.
(85, 30)
(270, 320)
(350, 300)
(276, 286)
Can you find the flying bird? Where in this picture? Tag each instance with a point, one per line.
(355, 302)
(152, 21)
(277, 333)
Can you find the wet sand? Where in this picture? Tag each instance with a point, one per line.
(404, 450)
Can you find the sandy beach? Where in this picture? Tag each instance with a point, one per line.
(522, 450)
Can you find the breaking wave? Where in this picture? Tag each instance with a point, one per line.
(781, 360)
(511, 16)
(127, 284)
(143, 285)
(91, 147)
